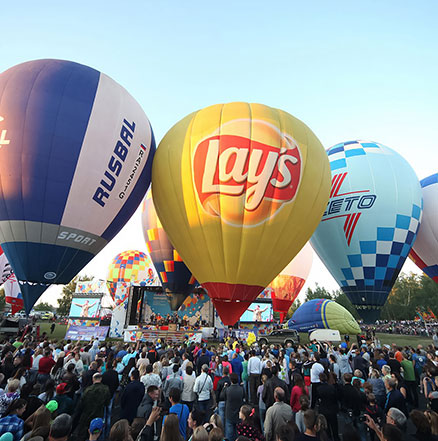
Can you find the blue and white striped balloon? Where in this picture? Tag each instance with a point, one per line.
(370, 223)
(76, 152)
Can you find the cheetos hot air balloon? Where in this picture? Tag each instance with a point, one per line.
(130, 266)
(288, 284)
(176, 278)
(239, 189)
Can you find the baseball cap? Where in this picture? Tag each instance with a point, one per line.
(60, 389)
(52, 405)
(96, 425)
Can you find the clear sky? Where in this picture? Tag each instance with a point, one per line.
(349, 70)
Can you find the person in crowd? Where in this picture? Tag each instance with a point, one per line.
(150, 378)
(249, 425)
(48, 392)
(299, 389)
(316, 369)
(299, 417)
(131, 397)
(65, 403)
(277, 415)
(394, 397)
(196, 419)
(61, 428)
(254, 372)
(120, 431)
(326, 397)
(173, 381)
(422, 426)
(45, 366)
(150, 399)
(188, 395)
(41, 421)
(92, 405)
(180, 410)
(11, 420)
(310, 434)
(234, 399)
(7, 398)
(203, 388)
(271, 384)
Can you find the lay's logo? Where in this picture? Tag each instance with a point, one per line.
(245, 180)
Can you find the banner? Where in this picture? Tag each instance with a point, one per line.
(87, 333)
(13, 294)
(91, 287)
(85, 307)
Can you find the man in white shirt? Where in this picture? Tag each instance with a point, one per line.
(317, 368)
(203, 387)
(254, 370)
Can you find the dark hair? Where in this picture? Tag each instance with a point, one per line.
(226, 370)
(120, 430)
(149, 368)
(421, 422)
(61, 426)
(175, 394)
(323, 377)
(58, 365)
(350, 433)
(175, 368)
(49, 389)
(299, 381)
(304, 402)
(135, 374)
(284, 433)
(189, 370)
(309, 418)
(136, 426)
(198, 417)
(71, 367)
(128, 367)
(234, 378)
(170, 430)
(393, 433)
(152, 388)
(216, 434)
(15, 405)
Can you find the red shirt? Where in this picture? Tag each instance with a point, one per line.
(46, 364)
(295, 398)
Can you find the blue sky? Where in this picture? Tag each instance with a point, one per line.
(348, 70)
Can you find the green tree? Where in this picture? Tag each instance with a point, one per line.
(64, 303)
(318, 293)
(43, 307)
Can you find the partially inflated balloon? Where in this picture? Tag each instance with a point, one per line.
(75, 163)
(425, 250)
(370, 223)
(5, 268)
(239, 189)
(176, 278)
(288, 284)
(129, 266)
(323, 314)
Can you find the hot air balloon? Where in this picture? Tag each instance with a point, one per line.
(75, 161)
(5, 268)
(129, 266)
(176, 278)
(425, 250)
(288, 284)
(239, 189)
(323, 314)
(13, 294)
(370, 222)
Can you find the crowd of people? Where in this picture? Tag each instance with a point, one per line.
(404, 327)
(150, 391)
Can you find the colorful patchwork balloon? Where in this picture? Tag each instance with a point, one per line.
(370, 223)
(130, 266)
(176, 278)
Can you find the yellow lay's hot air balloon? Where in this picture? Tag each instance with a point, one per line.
(239, 189)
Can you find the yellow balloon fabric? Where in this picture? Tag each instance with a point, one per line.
(239, 189)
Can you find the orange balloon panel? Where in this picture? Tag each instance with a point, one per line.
(288, 284)
(239, 189)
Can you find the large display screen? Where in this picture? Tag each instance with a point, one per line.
(85, 307)
(258, 312)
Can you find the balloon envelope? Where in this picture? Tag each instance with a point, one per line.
(370, 223)
(323, 314)
(75, 163)
(288, 284)
(128, 266)
(239, 189)
(176, 278)
(425, 250)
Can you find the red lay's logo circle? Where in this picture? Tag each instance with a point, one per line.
(246, 180)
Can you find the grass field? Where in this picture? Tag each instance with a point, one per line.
(58, 333)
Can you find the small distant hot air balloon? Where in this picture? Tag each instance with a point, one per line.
(176, 278)
(75, 162)
(288, 284)
(323, 314)
(128, 266)
(239, 189)
(425, 250)
(370, 222)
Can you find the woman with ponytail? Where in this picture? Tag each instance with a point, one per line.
(249, 425)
